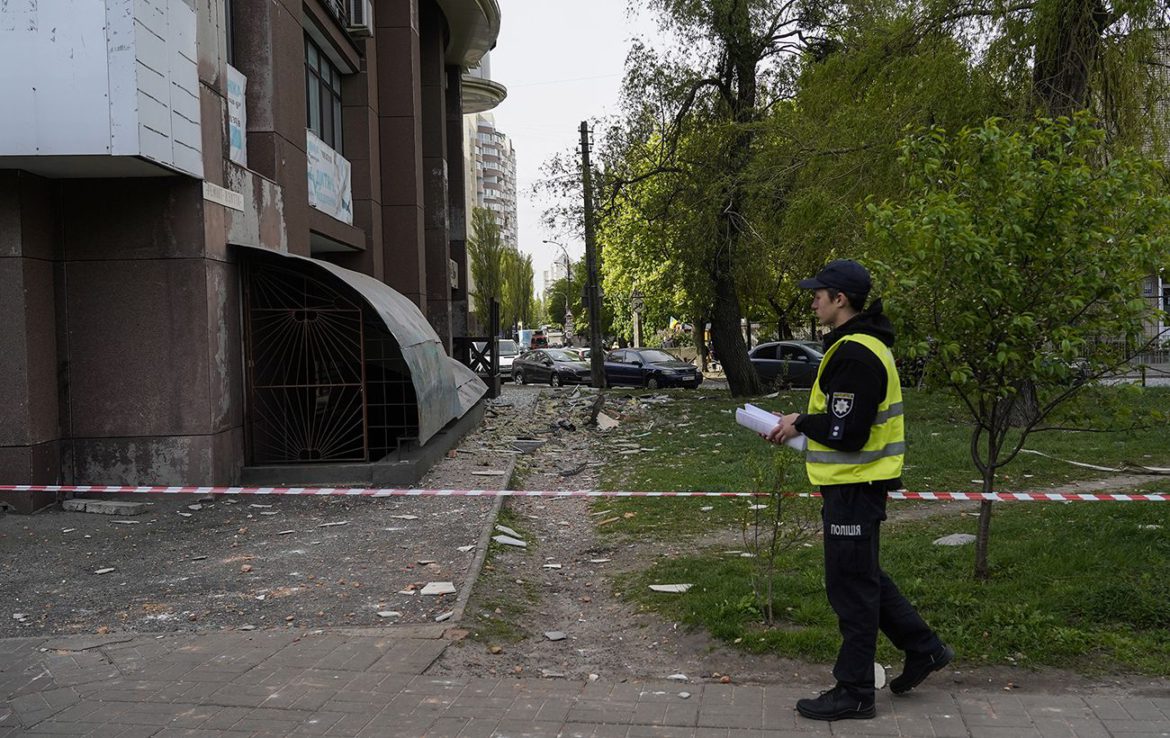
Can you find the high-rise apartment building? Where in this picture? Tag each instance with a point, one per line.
(494, 160)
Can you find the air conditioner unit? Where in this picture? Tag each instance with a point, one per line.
(361, 17)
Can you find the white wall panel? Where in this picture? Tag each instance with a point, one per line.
(93, 77)
(123, 76)
(54, 54)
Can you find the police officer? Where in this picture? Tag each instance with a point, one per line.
(855, 446)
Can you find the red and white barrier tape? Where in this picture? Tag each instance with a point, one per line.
(393, 492)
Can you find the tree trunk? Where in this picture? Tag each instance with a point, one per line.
(982, 571)
(983, 536)
(728, 338)
(1068, 38)
(700, 334)
(1021, 408)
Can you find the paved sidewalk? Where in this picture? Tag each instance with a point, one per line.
(289, 683)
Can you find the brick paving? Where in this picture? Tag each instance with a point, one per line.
(285, 683)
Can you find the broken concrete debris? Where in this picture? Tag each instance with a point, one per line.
(555, 635)
(438, 588)
(441, 617)
(955, 539)
(671, 588)
(507, 531)
(510, 541)
(605, 422)
(104, 507)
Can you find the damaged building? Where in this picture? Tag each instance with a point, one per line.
(233, 238)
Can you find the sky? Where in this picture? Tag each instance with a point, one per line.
(562, 63)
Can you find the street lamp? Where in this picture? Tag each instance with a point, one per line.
(568, 275)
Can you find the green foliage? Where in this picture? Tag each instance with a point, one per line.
(1014, 266)
(517, 287)
(1017, 257)
(837, 142)
(485, 250)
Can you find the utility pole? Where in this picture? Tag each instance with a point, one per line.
(596, 359)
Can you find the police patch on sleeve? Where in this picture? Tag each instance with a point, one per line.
(841, 403)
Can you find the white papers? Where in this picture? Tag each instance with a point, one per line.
(762, 421)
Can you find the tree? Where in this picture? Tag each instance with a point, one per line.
(486, 252)
(517, 287)
(1058, 57)
(836, 143)
(691, 121)
(1015, 262)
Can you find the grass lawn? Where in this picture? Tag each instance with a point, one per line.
(1080, 585)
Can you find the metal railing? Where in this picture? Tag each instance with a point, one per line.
(338, 9)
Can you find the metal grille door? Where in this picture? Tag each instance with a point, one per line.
(306, 371)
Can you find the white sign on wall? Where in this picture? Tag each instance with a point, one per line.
(237, 86)
(329, 180)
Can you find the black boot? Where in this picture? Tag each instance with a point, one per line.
(918, 667)
(836, 704)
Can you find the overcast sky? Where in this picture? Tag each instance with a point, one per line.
(562, 62)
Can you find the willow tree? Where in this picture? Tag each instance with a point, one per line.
(690, 120)
(836, 143)
(1107, 57)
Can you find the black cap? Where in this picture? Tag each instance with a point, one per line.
(845, 275)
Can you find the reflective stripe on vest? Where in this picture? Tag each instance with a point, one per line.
(882, 455)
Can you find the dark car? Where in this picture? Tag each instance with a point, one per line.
(641, 367)
(787, 363)
(554, 366)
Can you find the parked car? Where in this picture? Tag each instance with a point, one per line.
(508, 353)
(554, 366)
(582, 354)
(787, 363)
(653, 368)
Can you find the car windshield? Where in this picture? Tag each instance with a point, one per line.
(508, 347)
(656, 357)
(559, 355)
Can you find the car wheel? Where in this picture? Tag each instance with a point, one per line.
(519, 377)
(555, 380)
(652, 383)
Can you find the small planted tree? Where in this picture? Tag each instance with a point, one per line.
(1015, 264)
(776, 525)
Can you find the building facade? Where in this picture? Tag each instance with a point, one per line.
(202, 205)
(494, 160)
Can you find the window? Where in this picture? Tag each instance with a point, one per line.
(323, 96)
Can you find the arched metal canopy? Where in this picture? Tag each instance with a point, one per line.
(444, 388)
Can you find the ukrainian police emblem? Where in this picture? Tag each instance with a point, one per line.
(841, 404)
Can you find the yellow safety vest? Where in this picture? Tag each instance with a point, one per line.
(881, 456)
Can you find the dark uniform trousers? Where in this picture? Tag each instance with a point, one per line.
(863, 596)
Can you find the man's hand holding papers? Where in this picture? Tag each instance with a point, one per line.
(776, 429)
